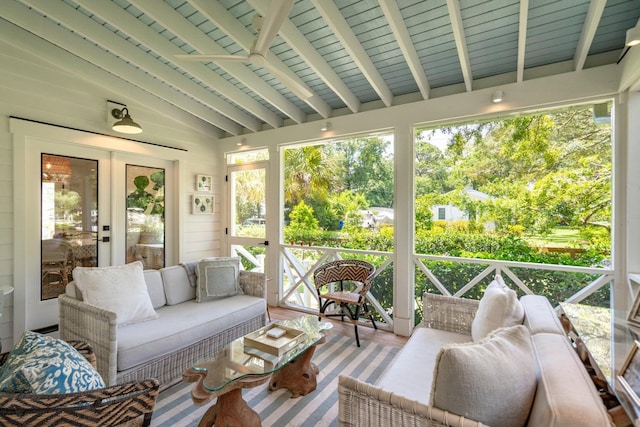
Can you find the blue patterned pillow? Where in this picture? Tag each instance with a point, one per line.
(44, 365)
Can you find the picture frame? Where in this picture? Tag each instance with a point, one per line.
(629, 376)
(634, 314)
(202, 204)
(203, 183)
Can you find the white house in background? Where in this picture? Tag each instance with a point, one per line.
(453, 213)
(375, 217)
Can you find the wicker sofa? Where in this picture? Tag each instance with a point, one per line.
(184, 331)
(129, 404)
(564, 393)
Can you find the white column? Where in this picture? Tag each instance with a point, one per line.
(403, 300)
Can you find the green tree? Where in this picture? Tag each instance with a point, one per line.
(368, 169)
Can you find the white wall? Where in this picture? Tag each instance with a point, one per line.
(32, 88)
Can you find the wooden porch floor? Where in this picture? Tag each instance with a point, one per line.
(345, 328)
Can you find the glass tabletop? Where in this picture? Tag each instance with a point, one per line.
(238, 359)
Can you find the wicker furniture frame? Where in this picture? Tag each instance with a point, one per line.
(349, 303)
(98, 327)
(363, 404)
(129, 404)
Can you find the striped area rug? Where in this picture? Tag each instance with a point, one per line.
(338, 355)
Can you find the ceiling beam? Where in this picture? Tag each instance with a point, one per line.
(177, 24)
(396, 22)
(458, 34)
(596, 7)
(225, 21)
(32, 47)
(82, 48)
(100, 35)
(159, 45)
(299, 43)
(352, 45)
(522, 38)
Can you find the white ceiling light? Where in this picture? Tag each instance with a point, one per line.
(633, 36)
(497, 96)
(326, 127)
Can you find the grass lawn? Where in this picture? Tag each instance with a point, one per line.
(560, 237)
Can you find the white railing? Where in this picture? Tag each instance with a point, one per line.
(299, 262)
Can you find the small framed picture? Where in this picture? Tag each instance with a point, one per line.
(203, 183)
(634, 314)
(202, 204)
(629, 376)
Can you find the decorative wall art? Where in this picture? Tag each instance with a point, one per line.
(202, 204)
(203, 183)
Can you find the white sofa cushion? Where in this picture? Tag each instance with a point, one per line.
(403, 377)
(155, 287)
(492, 381)
(565, 395)
(540, 315)
(183, 325)
(217, 278)
(120, 289)
(499, 307)
(177, 286)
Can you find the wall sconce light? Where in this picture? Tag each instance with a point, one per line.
(125, 123)
(242, 142)
(326, 127)
(497, 96)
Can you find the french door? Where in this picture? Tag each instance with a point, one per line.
(247, 231)
(78, 203)
(68, 222)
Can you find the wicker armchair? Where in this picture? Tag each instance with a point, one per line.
(352, 303)
(129, 404)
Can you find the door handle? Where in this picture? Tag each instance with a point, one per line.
(266, 243)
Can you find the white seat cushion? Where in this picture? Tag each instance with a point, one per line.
(182, 325)
(565, 395)
(411, 372)
(540, 316)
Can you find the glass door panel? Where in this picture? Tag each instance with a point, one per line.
(247, 235)
(145, 226)
(69, 220)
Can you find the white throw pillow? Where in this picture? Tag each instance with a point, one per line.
(492, 381)
(498, 307)
(120, 289)
(217, 278)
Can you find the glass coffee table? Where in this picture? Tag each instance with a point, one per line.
(239, 366)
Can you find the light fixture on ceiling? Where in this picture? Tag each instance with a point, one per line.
(242, 142)
(497, 96)
(125, 123)
(633, 36)
(326, 127)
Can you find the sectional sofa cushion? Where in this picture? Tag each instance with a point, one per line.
(540, 315)
(183, 325)
(40, 364)
(217, 278)
(421, 350)
(560, 374)
(177, 286)
(492, 381)
(498, 307)
(155, 287)
(120, 289)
